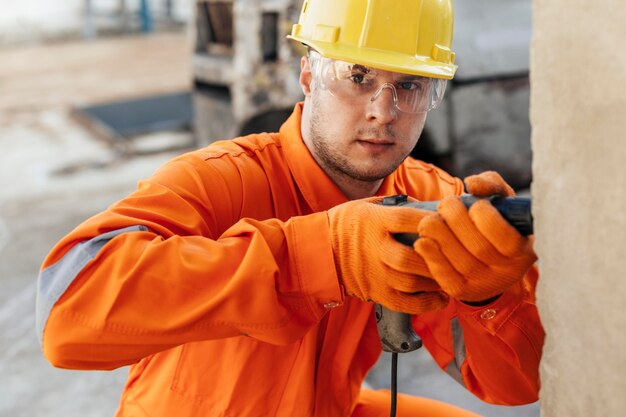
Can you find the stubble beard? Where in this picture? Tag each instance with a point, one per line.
(334, 161)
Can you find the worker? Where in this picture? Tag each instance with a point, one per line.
(240, 279)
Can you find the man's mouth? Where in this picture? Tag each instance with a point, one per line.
(375, 144)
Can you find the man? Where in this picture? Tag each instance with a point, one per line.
(238, 280)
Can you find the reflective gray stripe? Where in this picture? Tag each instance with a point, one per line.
(55, 279)
(458, 344)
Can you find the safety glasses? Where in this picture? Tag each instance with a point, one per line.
(355, 83)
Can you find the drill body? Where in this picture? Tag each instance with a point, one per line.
(395, 329)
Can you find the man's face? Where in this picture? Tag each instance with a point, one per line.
(356, 138)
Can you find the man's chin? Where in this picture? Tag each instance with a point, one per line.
(371, 174)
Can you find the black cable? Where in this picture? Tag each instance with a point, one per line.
(394, 383)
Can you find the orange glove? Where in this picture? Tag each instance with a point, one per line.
(372, 265)
(474, 254)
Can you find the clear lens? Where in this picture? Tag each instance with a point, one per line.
(357, 83)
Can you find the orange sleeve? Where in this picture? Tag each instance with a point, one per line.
(184, 275)
(493, 350)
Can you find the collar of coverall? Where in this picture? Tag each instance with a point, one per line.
(319, 191)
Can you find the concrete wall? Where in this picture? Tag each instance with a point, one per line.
(578, 115)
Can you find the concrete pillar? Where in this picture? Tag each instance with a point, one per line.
(578, 117)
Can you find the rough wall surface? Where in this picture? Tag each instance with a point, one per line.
(578, 116)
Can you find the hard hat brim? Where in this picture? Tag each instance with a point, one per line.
(384, 60)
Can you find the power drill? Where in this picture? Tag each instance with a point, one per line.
(395, 329)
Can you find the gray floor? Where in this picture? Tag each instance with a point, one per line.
(49, 183)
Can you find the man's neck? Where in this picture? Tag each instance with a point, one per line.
(355, 189)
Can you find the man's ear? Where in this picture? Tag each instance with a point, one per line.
(305, 75)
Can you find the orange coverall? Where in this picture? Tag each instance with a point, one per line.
(215, 280)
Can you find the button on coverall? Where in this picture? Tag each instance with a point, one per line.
(215, 280)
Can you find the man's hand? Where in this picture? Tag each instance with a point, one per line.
(372, 265)
(474, 254)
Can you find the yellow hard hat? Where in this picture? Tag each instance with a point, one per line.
(407, 36)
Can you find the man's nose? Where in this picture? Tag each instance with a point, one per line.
(382, 105)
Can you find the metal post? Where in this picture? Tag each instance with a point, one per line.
(146, 17)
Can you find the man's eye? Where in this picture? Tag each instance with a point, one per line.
(357, 78)
(409, 85)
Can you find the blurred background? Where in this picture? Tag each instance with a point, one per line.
(95, 95)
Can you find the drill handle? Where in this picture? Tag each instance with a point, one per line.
(396, 330)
